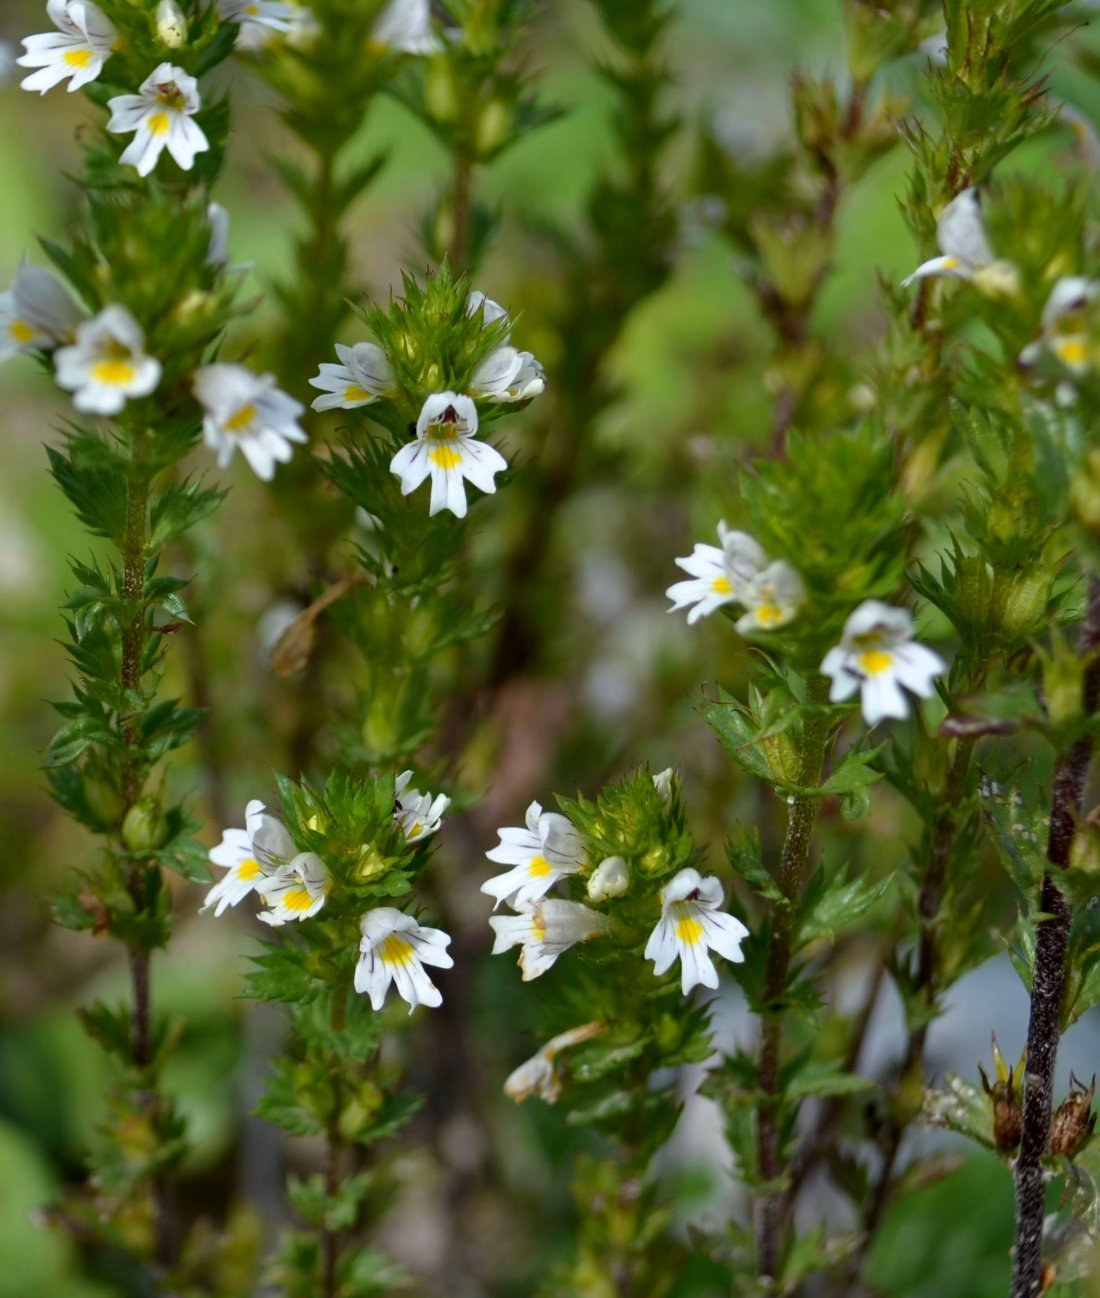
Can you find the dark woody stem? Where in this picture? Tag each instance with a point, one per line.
(1049, 976)
(792, 863)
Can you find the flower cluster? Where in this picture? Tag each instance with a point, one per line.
(737, 571)
(549, 848)
(446, 448)
(294, 886)
(101, 359)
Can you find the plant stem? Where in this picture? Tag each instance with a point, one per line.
(1048, 978)
(792, 865)
(458, 253)
(330, 1238)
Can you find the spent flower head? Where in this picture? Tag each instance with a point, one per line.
(161, 116)
(107, 364)
(538, 1075)
(83, 42)
(394, 948)
(877, 656)
(247, 410)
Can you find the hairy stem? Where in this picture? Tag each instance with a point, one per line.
(1048, 979)
(458, 251)
(330, 1237)
(792, 864)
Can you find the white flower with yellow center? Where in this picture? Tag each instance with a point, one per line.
(547, 850)
(162, 114)
(83, 42)
(394, 949)
(363, 375)
(718, 574)
(107, 364)
(544, 929)
(405, 26)
(960, 233)
(447, 450)
(508, 375)
(259, 19)
(418, 814)
(691, 925)
(250, 855)
(1065, 324)
(36, 313)
(537, 1075)
(771, 598)
(247, 410)
(877, 656)
(296, 890)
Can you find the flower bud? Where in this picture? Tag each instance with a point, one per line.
(662, 782)
(1026, 601)
(171, 25)
(441, 92)
(611, 878)
(1073, 1120)
(655, 861)
(369, 864)
(781, 754)
(102, 796)
(494, 121)
(145, 827)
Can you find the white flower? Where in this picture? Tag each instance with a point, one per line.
(611, 878)
(508, 375)
(296, 890)
(960, 233)
(771, 598)
(107, 364)
(690, 926)
(546, 851)
(82, 44)
(363, 376)
(261, 21)
(491, 311)
(36, 313)
(537, 1076)
(250, 855)
(217, 253)
(1065, 324)
(394, 948)
(718, 575)
(161, 113)
(247, 410)
(545, 929)
(447, 449)
(405, 26)
(877, 656)
(418, 814)
(662, 782)
(171, 25)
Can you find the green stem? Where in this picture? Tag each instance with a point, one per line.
(458, 253)
(792, 864)
(330, 1238)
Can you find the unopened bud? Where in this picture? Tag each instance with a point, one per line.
(171, 25)
(493, 124)
(611, 878)
(662, 782)
(1026, 602)
(145, 827)
(441, 92)
(655, 861)
(103, 798)
(781, 753)
(1073, 1120)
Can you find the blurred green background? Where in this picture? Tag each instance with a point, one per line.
(484, 1208)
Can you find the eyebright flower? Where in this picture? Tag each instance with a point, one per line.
(771, 598)
(610, 879)
(82, 44)
(247, 410)
(877, 656)
(662, 782)
(405, 27)
(546, 851)
(161, 113)
(171, 25)
(545, 929)
(960, 233)
(363, 376)
(296, 890)
(418, 814)
(718, 574)
(508, 375)
(690, 926)
(36, 313)
(1065, 324)
(107, 364)
(537, 1075)
(259, 19)
(250, 855)
(446, 448)
(491, 311)
(395, 948)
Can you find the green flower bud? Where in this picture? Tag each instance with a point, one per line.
(145, 827)
(931, 764)
(441, 93)
(421, 631)
(102, 796)
(1026, 603)
(782, 757)
(494, 122)
(369, 863)
(656, 861)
